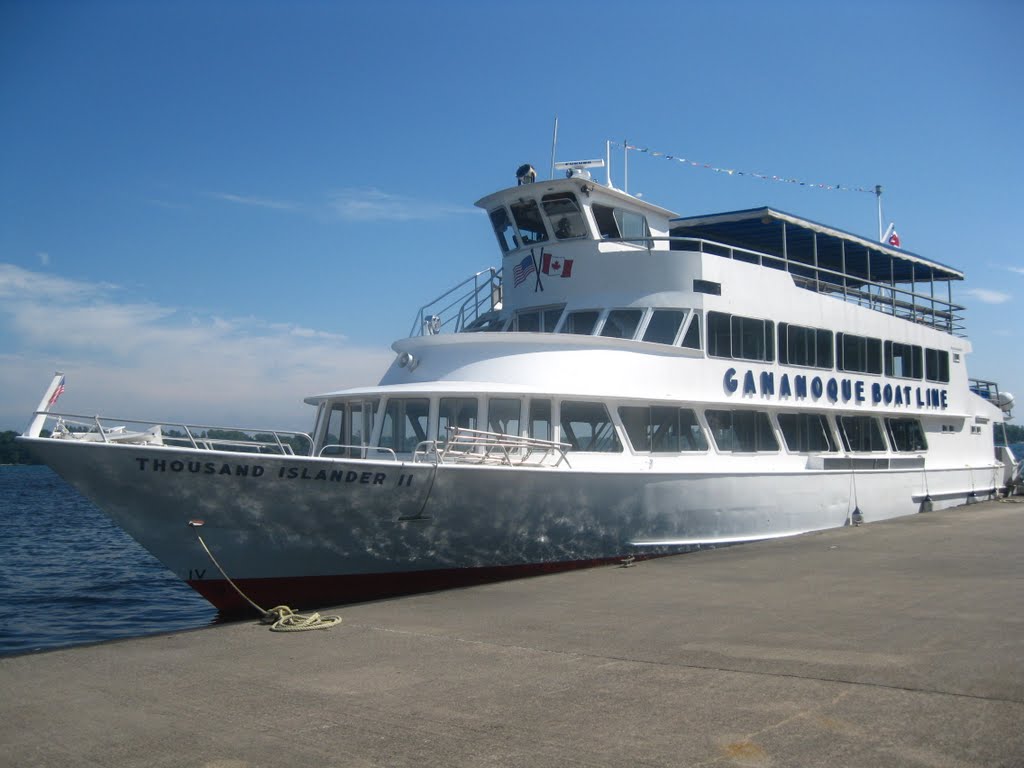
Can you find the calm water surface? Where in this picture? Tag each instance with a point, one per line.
(69, 576)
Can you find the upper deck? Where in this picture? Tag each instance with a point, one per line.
(829, 261)
(554, 228)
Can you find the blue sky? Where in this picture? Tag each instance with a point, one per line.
(209, 210)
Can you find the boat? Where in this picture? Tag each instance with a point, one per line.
(629, 383)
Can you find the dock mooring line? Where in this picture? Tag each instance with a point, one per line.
(281, 618)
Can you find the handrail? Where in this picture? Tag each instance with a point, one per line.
(155, 433)
(461, 309)
(474, 446)
(364, 450)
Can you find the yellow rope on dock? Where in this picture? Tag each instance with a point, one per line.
(281, 617)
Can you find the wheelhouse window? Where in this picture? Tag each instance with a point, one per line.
(455, 412)
(662, 429)
(503, 415)
(405, 424)
(537, 320)
(811, 347)
(858, 354)
(588, 427)
(806, 432)
(906, 435)
(616, 223)
(903, 361)
(622, 323)
(936, 365)
(860, 434)
(664, 325)
(529, 222)
(504, 229)
(581, 322)
(742, 431)
(565, 215)
(741, 338)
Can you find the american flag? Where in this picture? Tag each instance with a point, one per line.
(56, 393)
(523, 270)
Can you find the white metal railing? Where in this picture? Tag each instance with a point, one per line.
(356, 451)
(460, 305)
(105, 429)
(474, 446)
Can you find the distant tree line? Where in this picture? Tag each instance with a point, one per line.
(12, 452)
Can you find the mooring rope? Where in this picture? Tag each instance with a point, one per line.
(281, 618)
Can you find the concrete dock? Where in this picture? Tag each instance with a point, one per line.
(898, 643)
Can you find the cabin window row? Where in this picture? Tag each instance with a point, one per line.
(679, 327)
(748, 338)
(588, 426)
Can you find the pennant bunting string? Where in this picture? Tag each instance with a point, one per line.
(734, 172)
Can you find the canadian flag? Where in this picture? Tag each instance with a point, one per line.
(554, 266)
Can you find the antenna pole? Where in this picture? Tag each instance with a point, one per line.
(608, 163)
(554, 144)
(625, 166)
(878, 194)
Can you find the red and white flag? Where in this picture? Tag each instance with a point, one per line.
(556, 267)
(894, 239)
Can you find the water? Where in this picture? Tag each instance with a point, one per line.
(69, 576)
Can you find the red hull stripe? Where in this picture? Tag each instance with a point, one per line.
(303, 592)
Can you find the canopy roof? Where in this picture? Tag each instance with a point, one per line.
(789, 237)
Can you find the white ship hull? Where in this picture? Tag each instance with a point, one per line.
(312, 531)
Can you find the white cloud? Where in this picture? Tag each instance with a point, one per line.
(44, 258)
(258, 202)
(374, 205)
(987, 296)
(1018, 270)
(143, 360)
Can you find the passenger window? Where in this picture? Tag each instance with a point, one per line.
(455, 412)
(405, 424)
(565, 215)
(529, 222)
(588, 427)
(903, 360)
(861, 434)
(581, 322)
(858, 354)
(742, 431)
(503, 416)
(664, 325)
(906, 435)
(540, 419)
(662, 429)
(528, 322)
(538, 320)
(936, 365)
(503, 229)
(622, 323)
(806, 432)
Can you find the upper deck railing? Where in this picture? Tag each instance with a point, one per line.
(460, 306)
(890, 297)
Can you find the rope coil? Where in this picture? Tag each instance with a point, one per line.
(281, 618)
